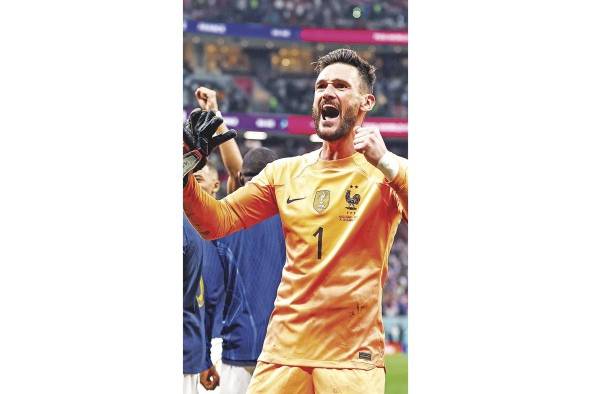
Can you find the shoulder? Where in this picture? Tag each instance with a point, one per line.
(305, 159)
(294, 164)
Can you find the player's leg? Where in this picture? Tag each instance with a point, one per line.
(235, 379)
(280, 379)
(190, 382)
(349, 381)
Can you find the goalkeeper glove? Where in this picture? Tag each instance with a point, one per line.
(199, 139)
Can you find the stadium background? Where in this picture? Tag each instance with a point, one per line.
(256, 54)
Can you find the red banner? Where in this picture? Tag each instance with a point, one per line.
(389, 127)
(376, 37)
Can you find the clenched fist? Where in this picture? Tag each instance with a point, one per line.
(209, 378)
(207, 99)
(369, 141)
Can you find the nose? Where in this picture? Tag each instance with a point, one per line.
(329, 91)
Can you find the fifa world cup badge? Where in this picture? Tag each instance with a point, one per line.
(321, 200)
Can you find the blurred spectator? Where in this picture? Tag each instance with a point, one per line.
(344, 14)
(281, 80)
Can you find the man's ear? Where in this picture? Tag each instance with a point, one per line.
(216, 186)
(369, 100)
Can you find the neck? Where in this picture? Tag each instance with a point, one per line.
(334, 150)
(341, 148)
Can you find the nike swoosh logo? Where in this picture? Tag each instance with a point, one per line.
(289, 201)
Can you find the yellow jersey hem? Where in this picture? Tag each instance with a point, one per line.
(301, 362)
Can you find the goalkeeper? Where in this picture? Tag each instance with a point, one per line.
(340, 207)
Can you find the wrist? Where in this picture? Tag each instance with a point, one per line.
(222, 127)
(389, 166)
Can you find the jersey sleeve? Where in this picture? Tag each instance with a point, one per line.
(213, 297)
(208, 324)
(248, 205)
(400, 186)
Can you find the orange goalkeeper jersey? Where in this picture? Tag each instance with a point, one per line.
(339, 218)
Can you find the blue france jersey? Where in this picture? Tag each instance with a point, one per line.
(196, 327)
(252, 260)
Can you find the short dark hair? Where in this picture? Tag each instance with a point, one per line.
(349, 56)
(256, 159)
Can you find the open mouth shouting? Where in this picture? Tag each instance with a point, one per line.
(329, 111)
(331, 121)
(329, 116)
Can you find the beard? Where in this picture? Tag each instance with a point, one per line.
(345, 126)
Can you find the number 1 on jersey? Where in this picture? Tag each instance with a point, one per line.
(319, 234)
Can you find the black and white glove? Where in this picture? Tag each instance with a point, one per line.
(199, 139)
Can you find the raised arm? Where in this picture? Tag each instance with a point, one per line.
(369, 141)
(246, 206)
(229, 151)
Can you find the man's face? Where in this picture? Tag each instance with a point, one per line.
(208, 180)
(337, 99)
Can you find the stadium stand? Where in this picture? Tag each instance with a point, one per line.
(256, 74)
(256, 78)
(327, 13)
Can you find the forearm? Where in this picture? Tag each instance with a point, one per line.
(232, 159)
(395, 169)
(211, 218)
(209, 321)
(208, 331)
(214, 292)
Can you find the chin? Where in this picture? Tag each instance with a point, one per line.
(342, 127)
(329, 135)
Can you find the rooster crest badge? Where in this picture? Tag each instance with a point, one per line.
(352, 199)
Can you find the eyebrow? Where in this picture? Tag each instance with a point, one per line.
(333, 81)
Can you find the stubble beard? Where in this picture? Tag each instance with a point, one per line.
(345, 127)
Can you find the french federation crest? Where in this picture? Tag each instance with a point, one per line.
(352, 200)
(321, 200)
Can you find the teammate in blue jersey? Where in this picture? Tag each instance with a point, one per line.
(212, 297)
(251, 264)
(196, 327)
(246, 257)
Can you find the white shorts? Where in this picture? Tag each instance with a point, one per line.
(235, 379)
(190, 382)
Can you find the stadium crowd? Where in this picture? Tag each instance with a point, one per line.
(265, 80)
(343, 14)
